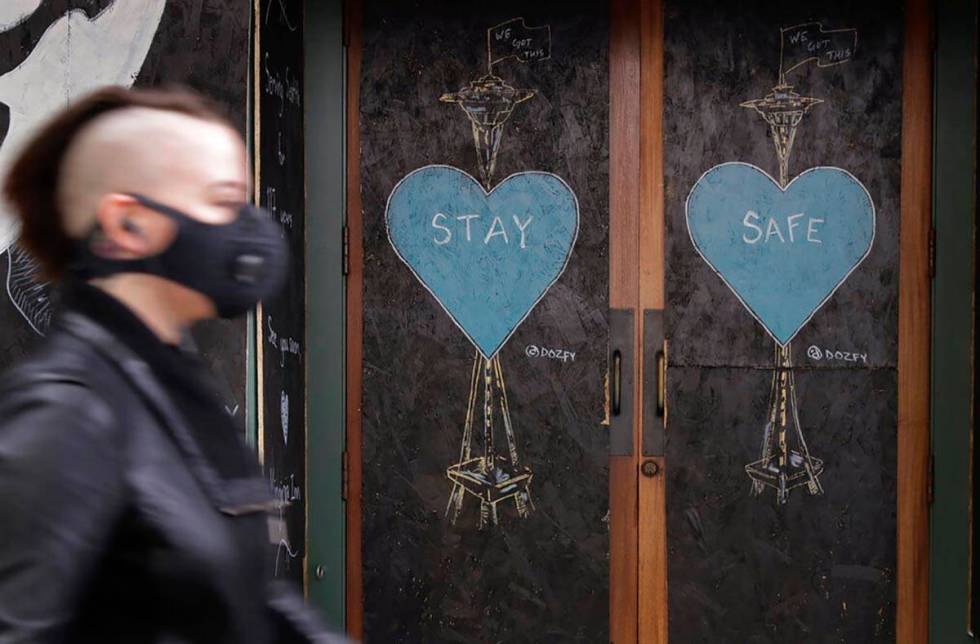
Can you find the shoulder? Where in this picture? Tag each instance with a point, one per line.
(63, 384)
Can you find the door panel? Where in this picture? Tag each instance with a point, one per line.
(484, 315)
(782, 464)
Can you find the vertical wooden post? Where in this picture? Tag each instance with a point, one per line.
(652, 519)
(624, 257)
(355, 325)
(914, 327)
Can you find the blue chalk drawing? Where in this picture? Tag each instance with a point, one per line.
(783, 252)
(487, 257)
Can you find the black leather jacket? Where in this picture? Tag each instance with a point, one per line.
(114, 526)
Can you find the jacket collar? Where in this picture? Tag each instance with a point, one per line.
(231, 496)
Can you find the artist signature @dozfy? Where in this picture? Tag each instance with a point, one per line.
(817, 354)
(561, 355)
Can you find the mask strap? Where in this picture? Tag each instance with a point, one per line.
(89, 265)
(156, 206)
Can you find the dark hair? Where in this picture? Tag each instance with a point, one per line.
(31, 186)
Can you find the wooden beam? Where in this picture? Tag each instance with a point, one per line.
(624, 257)
(355, 326)
(652, 519)
(912, 618)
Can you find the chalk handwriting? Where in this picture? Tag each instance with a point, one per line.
(810, 42)
(497, 230)
(283, 86)
(286, 491)
(559, 355)
(515, 39)
(817, 354)
(773, 230)
(284, 416)
(285, 345)
(270, 199)
(819, 46)
(284, 218)
(283, 14)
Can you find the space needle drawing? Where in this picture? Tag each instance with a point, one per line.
(785, 462)
(784, 277)
(489, 283)
(489, 101)
(488, 477)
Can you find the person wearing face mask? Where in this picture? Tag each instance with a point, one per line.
(130, 510)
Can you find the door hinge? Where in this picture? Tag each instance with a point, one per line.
(344, 475)
(346, 251)
(931, 479)
(932, 252)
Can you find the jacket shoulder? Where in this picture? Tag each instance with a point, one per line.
(63, 379)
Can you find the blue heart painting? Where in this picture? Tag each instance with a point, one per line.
(782, 251)
(487, 258)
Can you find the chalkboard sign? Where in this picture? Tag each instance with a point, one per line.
(782, 131)
(283, 319)
(484, 165)
(121, 42)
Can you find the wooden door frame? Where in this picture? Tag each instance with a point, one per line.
(355, 325)
(914, 325)
(652, 520)
(625, 37)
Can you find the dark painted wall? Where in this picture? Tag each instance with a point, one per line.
(544, 577)
(819, 568)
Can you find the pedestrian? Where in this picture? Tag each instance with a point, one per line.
(130, 508)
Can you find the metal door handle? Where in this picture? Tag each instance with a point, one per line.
(661, 382)
(654, 382)
(617, 382)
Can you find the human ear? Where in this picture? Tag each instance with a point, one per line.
(124, 225)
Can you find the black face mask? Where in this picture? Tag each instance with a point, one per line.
(235, 264)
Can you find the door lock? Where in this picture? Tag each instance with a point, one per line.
(650, 468)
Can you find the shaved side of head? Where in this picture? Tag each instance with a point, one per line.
(122, 140)
(157, 153)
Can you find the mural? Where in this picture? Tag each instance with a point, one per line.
(440, 90)
(67, 48)
(784, 247)
(487, 254)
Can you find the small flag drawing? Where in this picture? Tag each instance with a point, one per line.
(514, 39)
(810, 42)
